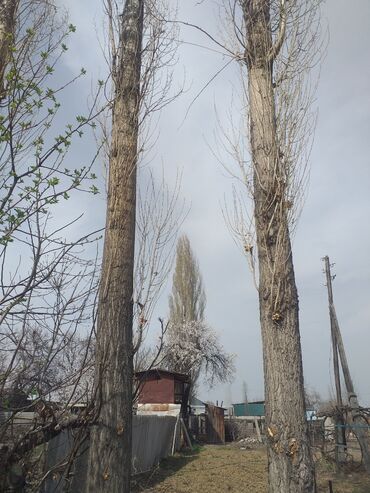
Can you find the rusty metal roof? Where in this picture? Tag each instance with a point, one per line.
(158, 371)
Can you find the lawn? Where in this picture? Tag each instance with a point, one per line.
(229, 468)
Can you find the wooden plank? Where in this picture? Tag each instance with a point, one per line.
(187, 437)
(258, 430)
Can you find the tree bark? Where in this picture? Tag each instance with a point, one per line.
(290, 464)
(110, 444)
(8, 9)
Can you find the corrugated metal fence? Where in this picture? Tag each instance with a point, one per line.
(153, 438)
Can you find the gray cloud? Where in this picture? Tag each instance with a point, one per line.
(335, 216)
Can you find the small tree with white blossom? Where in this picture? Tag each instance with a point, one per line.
(194, 349)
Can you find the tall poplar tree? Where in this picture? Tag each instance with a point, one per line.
(278, 39)
(187, 303)
(187, 300)
(110, 444)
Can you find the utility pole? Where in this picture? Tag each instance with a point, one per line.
(358, 423)
(340, 431)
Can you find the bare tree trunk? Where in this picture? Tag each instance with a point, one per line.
(8, 10)
(291, 468)
(110, 444)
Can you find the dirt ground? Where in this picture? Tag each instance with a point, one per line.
(230, 469)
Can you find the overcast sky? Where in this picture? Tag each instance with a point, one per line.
(335, 218)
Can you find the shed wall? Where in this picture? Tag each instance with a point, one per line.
(157, 390)
(251, 409)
